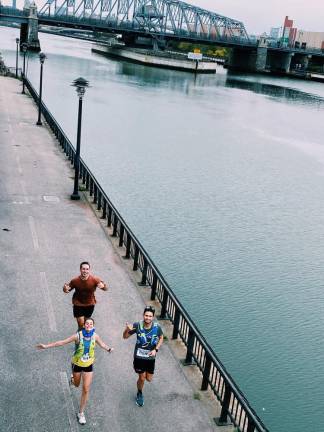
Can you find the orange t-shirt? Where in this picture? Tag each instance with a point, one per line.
(84, 290)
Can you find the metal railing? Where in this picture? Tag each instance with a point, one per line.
(233, 403)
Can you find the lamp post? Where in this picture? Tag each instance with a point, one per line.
(80, 85)
(42, 58)
(17, 45)
(24, 47)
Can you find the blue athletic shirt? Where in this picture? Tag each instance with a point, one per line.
(147, 339)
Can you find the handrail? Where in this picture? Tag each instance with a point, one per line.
(233, 402)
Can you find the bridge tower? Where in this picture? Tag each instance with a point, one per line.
(249, 60)
(262, 58)
(261, 55)
(29, 31)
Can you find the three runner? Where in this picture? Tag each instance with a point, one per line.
(149, 338)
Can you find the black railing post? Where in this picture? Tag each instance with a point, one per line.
(154, 286)
(176, 324)
(95, 193)
(223, 419)
(84, 175)
(164, 303)
(81, 170)
(135, 266)
(128, 245)
(206, 373)
(64, 146)
(190, 345)
(251, 425)
(121, 235)
(144, 272)
(109, 216)
(99, 201)
(104, 209)
(91, 187)
(114, 234)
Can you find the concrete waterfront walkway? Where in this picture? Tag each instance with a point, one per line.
(43, 238)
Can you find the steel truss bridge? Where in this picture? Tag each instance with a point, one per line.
(161, 19)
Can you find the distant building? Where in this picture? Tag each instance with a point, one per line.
(310, 39)
(288, 33)
(275, 32)
(293, 37)
(288, 23)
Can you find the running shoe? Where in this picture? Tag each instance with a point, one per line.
(139, 399)
(81, 418)
(71, 382)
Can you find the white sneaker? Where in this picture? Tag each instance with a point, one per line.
(71, 382)
(81, 418)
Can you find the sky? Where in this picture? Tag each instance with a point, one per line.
(259, 16)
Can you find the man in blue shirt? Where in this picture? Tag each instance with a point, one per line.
(149, 340)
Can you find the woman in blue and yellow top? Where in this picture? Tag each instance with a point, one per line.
(82, 360)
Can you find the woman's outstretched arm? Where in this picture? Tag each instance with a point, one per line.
(102, 344)
(70, 339)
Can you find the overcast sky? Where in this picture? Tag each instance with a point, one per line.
(259, 16)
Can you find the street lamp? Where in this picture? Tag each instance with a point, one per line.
(17, 45)
(24, 47)
(80, 85)
(42, 58)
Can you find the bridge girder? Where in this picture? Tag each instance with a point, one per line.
(162, 17)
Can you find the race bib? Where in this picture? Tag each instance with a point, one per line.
(143, 353)
(85, 358)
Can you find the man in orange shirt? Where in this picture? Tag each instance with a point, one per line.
(84, 299)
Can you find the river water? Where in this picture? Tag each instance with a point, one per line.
(222, 179)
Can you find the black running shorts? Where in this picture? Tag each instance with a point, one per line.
(143, 365)
(76, 368)
(79, 311)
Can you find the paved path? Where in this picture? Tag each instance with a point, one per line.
(43, 238)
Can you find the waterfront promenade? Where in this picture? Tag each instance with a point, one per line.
(44, 236)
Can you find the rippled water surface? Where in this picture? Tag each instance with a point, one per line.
(222, 179)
